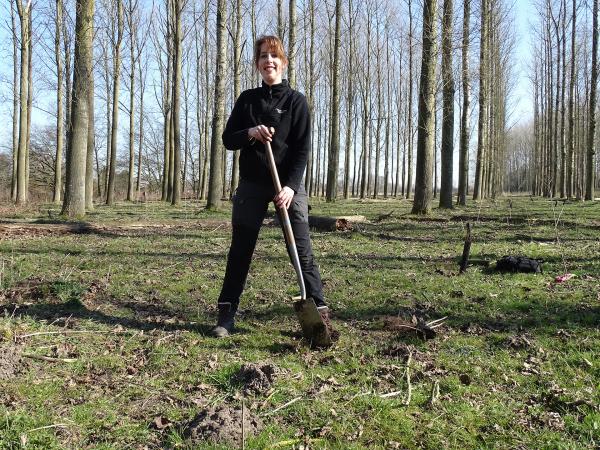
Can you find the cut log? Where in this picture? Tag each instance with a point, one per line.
(324, 223)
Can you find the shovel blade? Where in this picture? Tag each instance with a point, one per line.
(313, 328)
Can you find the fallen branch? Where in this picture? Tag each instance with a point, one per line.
(44, 333)
(48, 358)
(291, 442)
(390, 394)
(56, 425)
(291, 402)
(408, 383)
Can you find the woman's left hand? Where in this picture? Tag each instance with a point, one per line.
(284, 198)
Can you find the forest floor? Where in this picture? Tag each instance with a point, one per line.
(104, 331)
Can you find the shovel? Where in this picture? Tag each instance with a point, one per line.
(313, 328)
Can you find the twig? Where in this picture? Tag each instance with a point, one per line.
(289, 442)
(48, 358)
(56, 425)
(291, 402)
(243, 431)
(390, 394)
(436, 322)
(435, 393)
(408, 383)
(43, 333)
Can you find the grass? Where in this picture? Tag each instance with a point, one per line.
(517, 362)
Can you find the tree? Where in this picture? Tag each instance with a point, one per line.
(175, 126)
(448, 108)
(74, 202)
(59, 104)
(292, 45)
(591, 142)
(425, 138)
(110, 194)
(481, 129)
(215, 187)
(23, 11)
(334, 149)
(237, 75)
(463, 157)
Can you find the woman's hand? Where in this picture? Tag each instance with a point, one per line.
(284, 198)
(261, 133)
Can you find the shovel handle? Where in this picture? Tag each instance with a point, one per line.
(287, 225)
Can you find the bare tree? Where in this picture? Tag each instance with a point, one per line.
(24, 11)
(447, 151)
(463, 158)
(110, 193)
(74, 202)
(215, 187)
(334, 149)
(425, 139)
(591, 142)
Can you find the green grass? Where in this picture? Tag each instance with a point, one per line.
(144, 278)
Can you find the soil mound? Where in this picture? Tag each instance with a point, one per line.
(256, 378)
(11, 362)
(222, 425)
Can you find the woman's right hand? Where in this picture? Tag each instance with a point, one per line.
(261, 133)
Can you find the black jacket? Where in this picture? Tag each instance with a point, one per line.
(284, 109)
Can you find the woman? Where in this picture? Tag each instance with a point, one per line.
(277, 114)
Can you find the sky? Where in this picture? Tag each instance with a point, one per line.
(523, 97)
(522, 101)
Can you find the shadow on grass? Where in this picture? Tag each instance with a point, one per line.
(153, 317)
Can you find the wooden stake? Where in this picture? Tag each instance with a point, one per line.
(466, 250)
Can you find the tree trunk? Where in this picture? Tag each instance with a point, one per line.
(349, 102)
(423, 194)
(447, 150)
(177, 48)
(215, 188)
(23, 11)
(591, 143)
(292, 45)
(133, 60)
(334, 149)
(110, 194)
(463, 159)
(571, 142)
(15, 116)
(74, 202)
(237, 75)
(409, 116)
(481, 129)
(57, 197)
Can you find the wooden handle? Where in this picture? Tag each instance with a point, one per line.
(285, 221)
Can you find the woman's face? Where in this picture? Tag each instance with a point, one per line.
(270, 65)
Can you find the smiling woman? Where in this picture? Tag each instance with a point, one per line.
(270, 59)
(276, 114)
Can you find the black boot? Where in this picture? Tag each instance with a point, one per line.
(225, 321)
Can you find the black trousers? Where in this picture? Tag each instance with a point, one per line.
(250, 204)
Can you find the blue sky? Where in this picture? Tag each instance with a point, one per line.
(523, 98)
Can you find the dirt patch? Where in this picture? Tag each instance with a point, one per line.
(255, 378)
(222, 425)
(518, 342)
(11, 362)
(28, 290)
